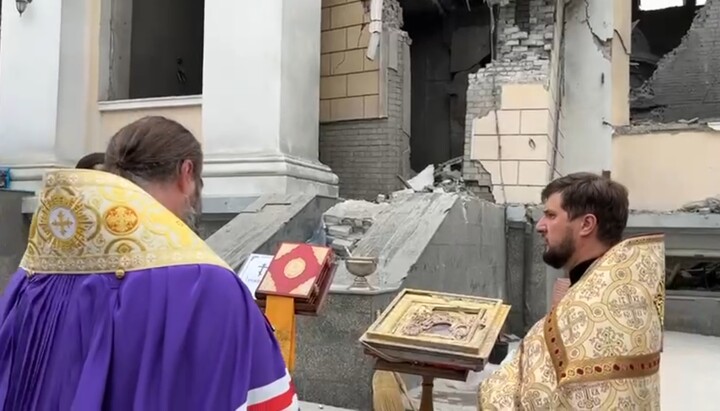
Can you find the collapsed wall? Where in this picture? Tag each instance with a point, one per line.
(685, 84)
(510, 134)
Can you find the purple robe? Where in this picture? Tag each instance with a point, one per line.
(174, 338)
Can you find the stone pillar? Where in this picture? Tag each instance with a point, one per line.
(261, 80)
(44, 79)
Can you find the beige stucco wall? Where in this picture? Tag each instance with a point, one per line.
(349, 81)
(111, 121)
(515, 144)
(664, 170)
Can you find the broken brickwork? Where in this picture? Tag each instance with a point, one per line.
(368, 155)
(686, 84)
(522, 56)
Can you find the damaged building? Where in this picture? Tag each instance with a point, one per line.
(441, 66)
(321, 120)
(672, 70)
(503, 95)
(353, 98)
(674, 107)
(514, 93)
(489, 88)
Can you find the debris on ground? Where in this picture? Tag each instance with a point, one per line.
(347, 222)
(425, 179)
(443, 178)
(710, 205)
(692, 274)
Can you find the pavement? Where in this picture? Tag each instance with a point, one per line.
(689, 373)
(309, 406)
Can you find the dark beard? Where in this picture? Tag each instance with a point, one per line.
(193, 214)
(558, 256)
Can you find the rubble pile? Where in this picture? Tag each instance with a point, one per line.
(710, 205)
(697, 274)
(445, 178)
(347, 222)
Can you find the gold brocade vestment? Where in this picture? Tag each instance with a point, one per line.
(599, 348)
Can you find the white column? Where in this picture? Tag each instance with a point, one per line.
(261, 81)
(43, 88)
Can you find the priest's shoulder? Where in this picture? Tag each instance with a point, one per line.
(220, 275)
(212, 283)
(223, 293)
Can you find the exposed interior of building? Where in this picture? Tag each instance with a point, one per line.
(450, 39)
(658, 31)
(156, 48)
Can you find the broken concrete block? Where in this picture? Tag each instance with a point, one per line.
(342, 243)
(339, 230)
(330, 219)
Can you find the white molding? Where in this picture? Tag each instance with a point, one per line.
(211, 204)
(34, 171)
(216, 166)
(268, 165)
(226, 176)
(150, 103)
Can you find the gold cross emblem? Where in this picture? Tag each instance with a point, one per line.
(62, 223)
(121, 220)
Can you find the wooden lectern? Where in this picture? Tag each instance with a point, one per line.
(435, 335)
(296, 282)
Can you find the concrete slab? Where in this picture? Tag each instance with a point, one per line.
(270, 219)
(398, 236)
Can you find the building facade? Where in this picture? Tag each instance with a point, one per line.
(298, 95)
(244, 80)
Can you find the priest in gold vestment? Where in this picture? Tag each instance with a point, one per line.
(599, 347)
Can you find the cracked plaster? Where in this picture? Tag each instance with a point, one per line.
(597, 24)
(587, 97)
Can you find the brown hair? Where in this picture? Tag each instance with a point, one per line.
(91, 161)
(588, 193)
(152, 149)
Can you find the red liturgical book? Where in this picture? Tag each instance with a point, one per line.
(301, 271)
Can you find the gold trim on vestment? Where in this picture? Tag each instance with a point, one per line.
(594, 369)
(89, 221)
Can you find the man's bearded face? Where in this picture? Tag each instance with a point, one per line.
(557, 230)
(557, 255)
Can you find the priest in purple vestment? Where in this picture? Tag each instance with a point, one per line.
(119, 305)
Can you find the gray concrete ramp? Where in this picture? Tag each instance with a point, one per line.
(266, 222)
